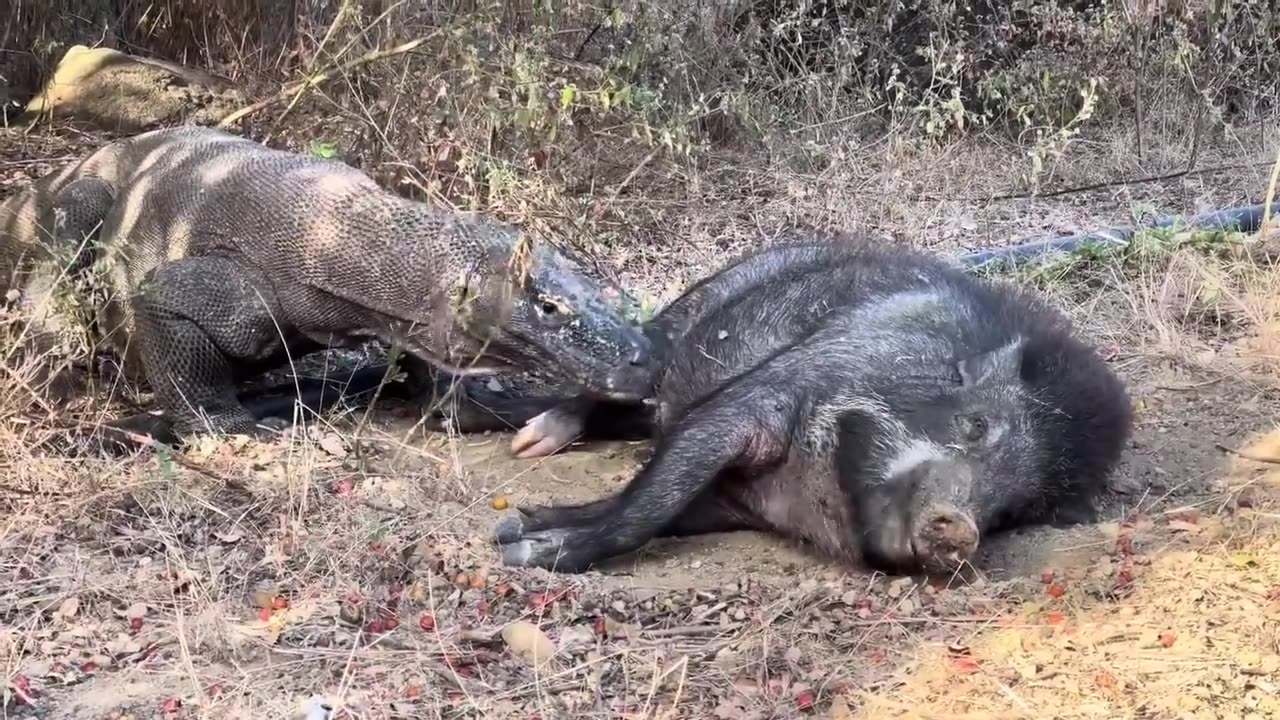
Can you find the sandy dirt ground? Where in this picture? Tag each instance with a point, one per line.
(246, 580)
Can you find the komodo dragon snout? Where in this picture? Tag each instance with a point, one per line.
(541, 314)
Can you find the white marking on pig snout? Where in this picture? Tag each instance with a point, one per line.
(917, 452)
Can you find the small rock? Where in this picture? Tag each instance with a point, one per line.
(900, 586)
(1247, 497)
(69, 607)
(573, 639)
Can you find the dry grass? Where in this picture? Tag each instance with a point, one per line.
(198, 543)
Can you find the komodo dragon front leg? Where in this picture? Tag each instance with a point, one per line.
(208, 322)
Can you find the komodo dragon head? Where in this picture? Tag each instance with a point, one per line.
(527, 307)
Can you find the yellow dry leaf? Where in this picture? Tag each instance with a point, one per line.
(528, 642)
(1243, 559)
(1004, 645)
(840, 709)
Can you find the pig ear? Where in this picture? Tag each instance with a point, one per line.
(1002, 363)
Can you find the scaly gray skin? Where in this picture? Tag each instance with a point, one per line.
(227, 258)
(884, 406)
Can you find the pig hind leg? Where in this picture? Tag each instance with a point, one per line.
(746, 427)
(710, 512)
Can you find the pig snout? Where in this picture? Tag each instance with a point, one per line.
(922, 523)
(943, 538)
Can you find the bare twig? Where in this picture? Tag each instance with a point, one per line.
(321, 77)
(1247, 455)
(1116, 183)
(343, 10)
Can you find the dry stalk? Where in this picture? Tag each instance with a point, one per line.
(323, 76)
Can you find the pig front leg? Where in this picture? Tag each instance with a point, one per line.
(747, 429)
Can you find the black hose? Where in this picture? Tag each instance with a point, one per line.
(1240, 219)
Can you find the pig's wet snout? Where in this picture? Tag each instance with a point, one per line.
(944, 538)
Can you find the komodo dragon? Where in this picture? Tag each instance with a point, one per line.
(226, 259)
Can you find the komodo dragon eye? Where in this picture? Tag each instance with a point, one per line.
(552, 310)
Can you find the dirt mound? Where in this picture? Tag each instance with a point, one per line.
(110, 90)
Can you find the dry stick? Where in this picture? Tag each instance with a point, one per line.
(1271, 191)
(324, 76)
(1247, 455)
(343, 11)
(150, 442)
(1105, 185)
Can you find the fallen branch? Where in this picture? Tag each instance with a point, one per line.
(1247, 455)
(325, 75)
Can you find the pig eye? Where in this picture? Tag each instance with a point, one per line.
(972, 427)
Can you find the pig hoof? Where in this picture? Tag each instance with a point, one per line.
(546, 434)
(509, 529)
(540, 549)
(517, 554)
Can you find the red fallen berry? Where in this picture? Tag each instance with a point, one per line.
(374, 627)
(1047, 576)
(344, 487)
(279, 602)
(135, 624)
(390, 624)
(170, 706)
(264, 614)
(22, 684)
(601, 627)
(89, 667)
(804, 701)
(427, 622)
(1056, 591)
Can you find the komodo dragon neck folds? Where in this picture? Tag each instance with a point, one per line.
(225, 258)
